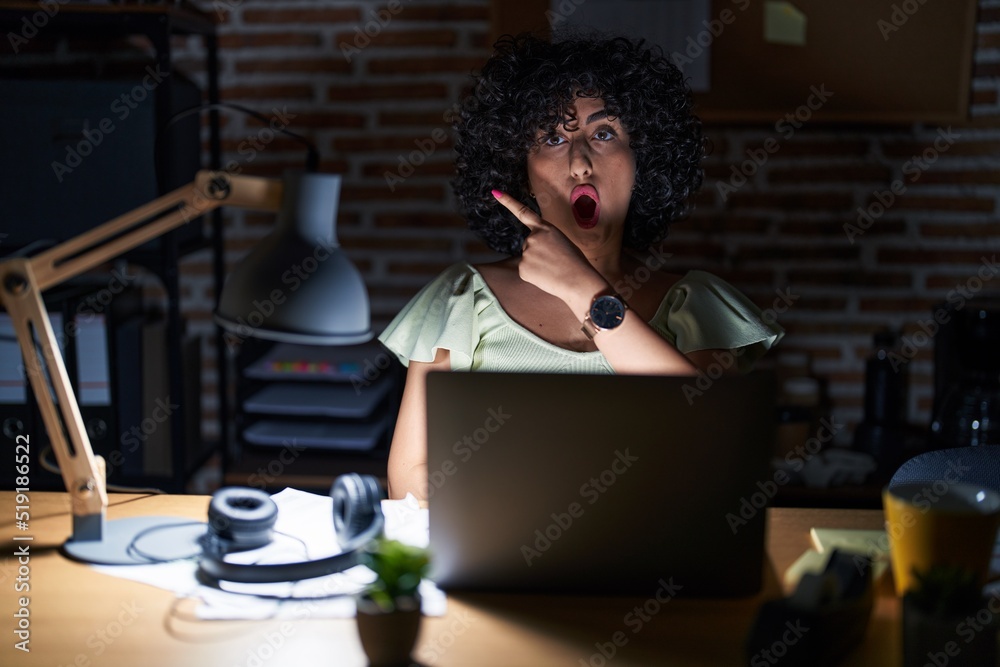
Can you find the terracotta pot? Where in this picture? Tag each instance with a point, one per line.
(388, 637)
(963, 640)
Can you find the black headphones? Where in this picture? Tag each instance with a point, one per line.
(240, 519)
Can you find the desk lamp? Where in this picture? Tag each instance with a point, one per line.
(327, 305)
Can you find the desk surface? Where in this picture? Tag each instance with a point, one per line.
(81, 617)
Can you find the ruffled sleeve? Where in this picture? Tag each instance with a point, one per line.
(704, 312)
(441, 316)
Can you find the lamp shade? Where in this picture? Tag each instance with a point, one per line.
(297, 285)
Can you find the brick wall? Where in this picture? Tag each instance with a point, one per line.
(371, 82)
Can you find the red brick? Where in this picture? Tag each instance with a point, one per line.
(798, 253)
(909, 149)
(717, 172)
(258, 40)
(838, 278)
(476, 248)
(839, 174)
(841, 228)
(431, 119)
(365, 266)
(369, 143)
(986, 97)
(813, 201)
(393, 38)
(988, 40)
(722, 224)
(398, 91)
(810, 148)
(824, 327)
(294, 65)
(897, 304)
(705, 198)
(425, 169)
(929, 257)
(418, 220)
(326, 119)
(385, 292)
(975, 230)
(987, 176)
(269, 92)
(407, 243)
(481, 40)
(743, 278)
(695, 249)
(448, 64)
(334, 166)
(308, 15)
(845, 377)
(401, 191)
(271, 168)
(948, 282)
(438, 13)
(279, 143)
(814, 352)
(417, 268)
(926, 203)
(810, 302)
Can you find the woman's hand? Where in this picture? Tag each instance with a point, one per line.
(550, 261)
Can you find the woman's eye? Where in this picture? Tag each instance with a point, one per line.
(604, 135)
(553, 140)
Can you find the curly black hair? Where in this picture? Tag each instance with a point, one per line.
(527, 86)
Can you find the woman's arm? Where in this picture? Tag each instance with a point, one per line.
(635, 347)
(408, 453)
(551, 262)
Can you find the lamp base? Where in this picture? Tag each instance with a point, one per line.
(141, 540)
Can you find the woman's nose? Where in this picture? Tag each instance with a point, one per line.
(580, 165)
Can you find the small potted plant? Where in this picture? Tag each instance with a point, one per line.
(389, 608)
(945, 614)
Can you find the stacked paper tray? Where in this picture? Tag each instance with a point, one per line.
(357, 437)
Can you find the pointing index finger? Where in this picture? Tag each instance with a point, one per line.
(521, 211)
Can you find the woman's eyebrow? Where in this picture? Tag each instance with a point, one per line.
(597, 115)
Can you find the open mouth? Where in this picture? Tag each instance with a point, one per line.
(586, 205)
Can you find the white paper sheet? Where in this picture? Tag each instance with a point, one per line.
(301, 516)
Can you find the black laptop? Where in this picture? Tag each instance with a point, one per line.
(599, 484)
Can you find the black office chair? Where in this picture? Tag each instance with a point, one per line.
(983, 465)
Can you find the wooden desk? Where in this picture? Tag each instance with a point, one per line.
(81, 617)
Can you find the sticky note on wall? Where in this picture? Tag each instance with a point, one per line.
(784, 24)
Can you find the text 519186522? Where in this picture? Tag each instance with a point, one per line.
(22, 550)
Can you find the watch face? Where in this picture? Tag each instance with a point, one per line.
(607, 312)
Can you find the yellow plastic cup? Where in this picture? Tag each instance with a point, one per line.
(940, 523)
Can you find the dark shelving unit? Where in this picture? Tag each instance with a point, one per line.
(158, 23)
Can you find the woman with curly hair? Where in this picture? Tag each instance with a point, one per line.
(573, 157)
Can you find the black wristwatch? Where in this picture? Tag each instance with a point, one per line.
(606, 312)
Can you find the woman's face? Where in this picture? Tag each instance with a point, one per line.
(582, 175)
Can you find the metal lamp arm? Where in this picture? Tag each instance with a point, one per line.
(22, 281)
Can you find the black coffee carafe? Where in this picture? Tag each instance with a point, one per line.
(968, 413)
(881, 432)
